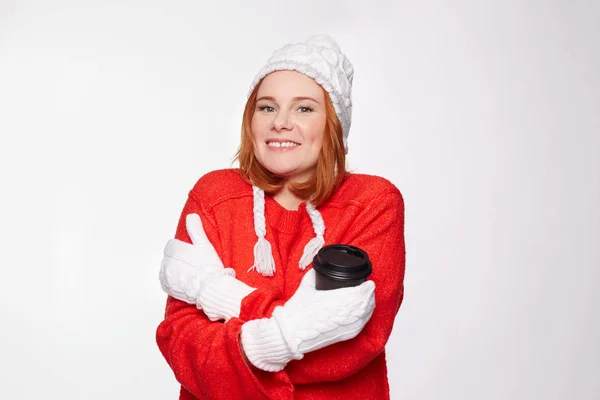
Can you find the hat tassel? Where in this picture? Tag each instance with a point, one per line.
(263, 258)
(310, 251)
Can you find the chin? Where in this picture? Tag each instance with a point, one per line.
(282, 172)
(293, 176)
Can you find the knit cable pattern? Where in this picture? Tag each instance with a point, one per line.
(177, 285)
(183, 273)
(341, 320)
(185, 282)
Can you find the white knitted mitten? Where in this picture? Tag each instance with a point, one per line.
(194, 273)
(311, 319)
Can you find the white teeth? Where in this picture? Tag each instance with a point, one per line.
(282, 144)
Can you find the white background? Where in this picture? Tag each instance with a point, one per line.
(484, 113)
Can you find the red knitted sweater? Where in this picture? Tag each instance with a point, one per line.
(205, 356)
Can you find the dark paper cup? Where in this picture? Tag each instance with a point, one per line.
(340, 265)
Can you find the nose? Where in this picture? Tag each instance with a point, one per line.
(282, 121)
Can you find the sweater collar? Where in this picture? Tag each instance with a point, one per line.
(265, 207)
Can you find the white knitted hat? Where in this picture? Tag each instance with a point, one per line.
(321, 59)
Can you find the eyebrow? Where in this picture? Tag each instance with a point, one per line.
(298, 98)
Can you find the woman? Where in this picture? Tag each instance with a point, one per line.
(259, 329)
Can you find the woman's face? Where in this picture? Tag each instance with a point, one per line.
(288, 124)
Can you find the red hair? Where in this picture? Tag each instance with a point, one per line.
(331, 163)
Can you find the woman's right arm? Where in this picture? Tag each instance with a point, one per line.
(205, 356)
(207, 359)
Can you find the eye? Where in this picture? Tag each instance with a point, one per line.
(305, 109)
(268, 109)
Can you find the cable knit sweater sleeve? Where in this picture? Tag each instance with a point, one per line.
(206, 356)
(379, 230)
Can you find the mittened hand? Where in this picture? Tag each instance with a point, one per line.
(194, 273)
(311, 319)
(197, 235)
(186, 267)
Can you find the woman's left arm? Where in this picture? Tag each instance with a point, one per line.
(379, 230)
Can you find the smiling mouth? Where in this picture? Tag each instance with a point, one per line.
(282, 144)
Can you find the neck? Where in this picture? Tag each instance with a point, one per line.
(287, 199)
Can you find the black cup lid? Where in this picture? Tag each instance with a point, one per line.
(342, 262)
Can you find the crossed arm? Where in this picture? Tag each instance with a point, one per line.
(201, 351)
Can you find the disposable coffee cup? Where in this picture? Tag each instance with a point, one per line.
(340, 265)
